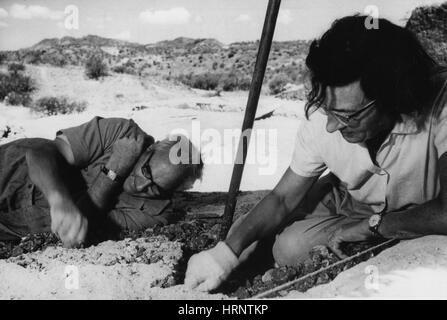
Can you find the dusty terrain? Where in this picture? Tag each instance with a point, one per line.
(151, 264)
(128, 269)
(413, 269)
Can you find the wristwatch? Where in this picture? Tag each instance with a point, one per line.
(112, 175)
(374, 223)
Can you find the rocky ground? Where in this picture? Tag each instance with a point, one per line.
(151, 264)
(413, 269)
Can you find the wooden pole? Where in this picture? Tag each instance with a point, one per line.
(250, 112)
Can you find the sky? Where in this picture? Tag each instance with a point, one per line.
(23, 23)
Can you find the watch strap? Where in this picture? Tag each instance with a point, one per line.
(112, 175)
(375, 229)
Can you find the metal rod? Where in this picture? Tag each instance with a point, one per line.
(291, 283)
(250, 112)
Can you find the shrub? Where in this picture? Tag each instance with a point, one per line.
(16, 67)
(205, 81)
(277, 84)
(119, 69)
(235, 81)
(17, 99)
(2, 57)
(127, 67)
(244, 83)
(16, 88)
(211, 81)
(57, 105)
(229, 82)
(95, 68)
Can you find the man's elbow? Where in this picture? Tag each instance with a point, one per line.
(42, 154)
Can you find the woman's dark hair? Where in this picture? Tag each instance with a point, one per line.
(391, 64)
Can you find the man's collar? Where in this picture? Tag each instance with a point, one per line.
(408, 125)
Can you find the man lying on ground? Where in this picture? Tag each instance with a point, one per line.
(90, 181)
(377, 121)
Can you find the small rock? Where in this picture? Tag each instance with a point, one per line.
(17, 251)
(322, 278)
(280, 275)
(268, 276)
(283, 293)
(320, 250)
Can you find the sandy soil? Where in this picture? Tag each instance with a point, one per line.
(161, 108)
(138, 269)
(414, 269)
(128, 269)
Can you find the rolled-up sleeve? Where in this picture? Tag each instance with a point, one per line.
(91, 140)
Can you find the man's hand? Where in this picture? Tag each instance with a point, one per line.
(125, 153)
(351, 232)
(68, 222)
(208, 269)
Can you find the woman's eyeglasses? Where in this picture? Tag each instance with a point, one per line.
(351, 119)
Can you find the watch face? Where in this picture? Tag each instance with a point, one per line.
(112, 175)
(374, 220)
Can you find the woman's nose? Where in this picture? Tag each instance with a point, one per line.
(333, 124)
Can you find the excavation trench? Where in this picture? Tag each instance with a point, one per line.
(197, 228)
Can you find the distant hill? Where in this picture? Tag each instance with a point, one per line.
(430, 25)
(182, 44)
(180, 58)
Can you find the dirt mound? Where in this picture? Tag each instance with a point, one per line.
(151, 264)
(127, 269)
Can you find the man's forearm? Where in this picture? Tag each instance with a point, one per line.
(425, 219)
(45, 168)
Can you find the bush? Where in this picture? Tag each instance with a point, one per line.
(16, 67)
(57, 105)
(119, 69)
(205, 81)
(128, 67)
(17, 99)
(95, 68)
(211, 81)
(277, 84)
(16, 88)
(234, 81)
(2, 57)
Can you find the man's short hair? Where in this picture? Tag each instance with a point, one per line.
(187, 172)
(391, 64)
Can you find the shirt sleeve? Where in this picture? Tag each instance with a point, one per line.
(440, 132)
(306, 158)
(91, 140)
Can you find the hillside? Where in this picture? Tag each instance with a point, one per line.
(207, 63)
(181, 57)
